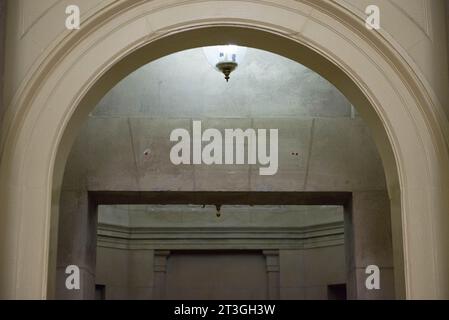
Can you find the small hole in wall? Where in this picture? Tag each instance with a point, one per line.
(147, 153)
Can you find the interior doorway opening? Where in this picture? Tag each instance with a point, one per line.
(255, 250)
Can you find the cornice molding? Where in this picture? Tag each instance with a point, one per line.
(172, 238)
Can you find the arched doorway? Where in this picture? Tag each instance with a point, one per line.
(391, 98)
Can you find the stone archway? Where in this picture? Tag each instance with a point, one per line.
(406, 120)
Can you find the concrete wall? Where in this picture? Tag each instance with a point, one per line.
(307, 274)
(125, 274)
(334, 146)
(303, 274)
(232, 216)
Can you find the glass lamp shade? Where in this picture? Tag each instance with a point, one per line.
(225, 58)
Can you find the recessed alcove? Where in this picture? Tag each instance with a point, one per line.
(258, 249)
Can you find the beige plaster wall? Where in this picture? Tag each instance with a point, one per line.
(418, 26)
(2, 55)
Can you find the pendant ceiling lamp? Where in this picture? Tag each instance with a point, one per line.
(225, 58)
